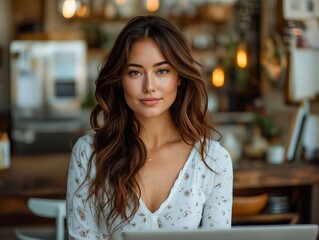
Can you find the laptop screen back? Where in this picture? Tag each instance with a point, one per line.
(267, 232)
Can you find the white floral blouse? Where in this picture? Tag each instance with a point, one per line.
(199, 197)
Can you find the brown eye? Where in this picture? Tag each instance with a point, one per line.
(162, 71)
(134, 73)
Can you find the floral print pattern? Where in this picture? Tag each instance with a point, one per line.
(199, 197)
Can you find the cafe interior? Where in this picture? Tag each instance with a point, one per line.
(261, 65)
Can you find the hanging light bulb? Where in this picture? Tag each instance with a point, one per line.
(241, 57)
(218, 77)
(82, 11)
(152, 5)
(68, 8)
(120, 2)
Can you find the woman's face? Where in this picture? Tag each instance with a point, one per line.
(149, 82)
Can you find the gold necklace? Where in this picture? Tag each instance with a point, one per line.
(149, 158)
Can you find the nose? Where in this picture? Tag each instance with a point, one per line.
(149, 84)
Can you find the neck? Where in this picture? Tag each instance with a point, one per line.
(156, 133)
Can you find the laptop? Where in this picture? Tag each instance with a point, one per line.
(258, 232)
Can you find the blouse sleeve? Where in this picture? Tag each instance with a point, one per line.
(81, 219)
(217, 211)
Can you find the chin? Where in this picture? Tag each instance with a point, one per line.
(150, 114)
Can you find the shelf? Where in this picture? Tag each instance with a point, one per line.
(264, 218)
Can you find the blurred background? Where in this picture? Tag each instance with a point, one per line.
(51, 52)
(259, 57)
(47, 86)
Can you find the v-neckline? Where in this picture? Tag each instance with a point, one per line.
(175, 185)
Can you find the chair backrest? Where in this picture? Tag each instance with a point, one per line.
(50, 208)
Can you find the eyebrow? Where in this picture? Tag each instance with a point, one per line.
(140, 66)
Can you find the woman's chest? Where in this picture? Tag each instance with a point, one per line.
(187, 191)
(156, 184)
(158, 177)
(181, 210)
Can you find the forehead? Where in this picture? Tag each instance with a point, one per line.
(145, 50)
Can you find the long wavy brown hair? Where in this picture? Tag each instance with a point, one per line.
(119, 153)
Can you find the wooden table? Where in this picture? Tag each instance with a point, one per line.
(38, 175)
(258, 174)
(46, 175)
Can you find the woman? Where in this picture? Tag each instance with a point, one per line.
(150, 162)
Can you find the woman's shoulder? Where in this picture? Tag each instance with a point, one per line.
(214, 148)
(83, 147)
(84, 141)
(216, 156)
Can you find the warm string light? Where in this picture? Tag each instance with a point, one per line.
(82, 11)
(68, 8)
(218, 77)
(241, 57)
(120, 2)
(152, 5)
(74, 8)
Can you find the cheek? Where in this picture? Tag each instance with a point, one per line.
(128, 91)
(173, 83)
(128, 96)
(129, 100)
(172, 87)
(128, 87)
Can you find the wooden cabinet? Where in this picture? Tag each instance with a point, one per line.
(297, 181)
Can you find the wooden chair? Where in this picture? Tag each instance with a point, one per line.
(48, 208)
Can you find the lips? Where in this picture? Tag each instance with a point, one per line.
(150, 101)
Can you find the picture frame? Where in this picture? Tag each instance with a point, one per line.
(300, 9)
(294, 143)
(299, 31)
